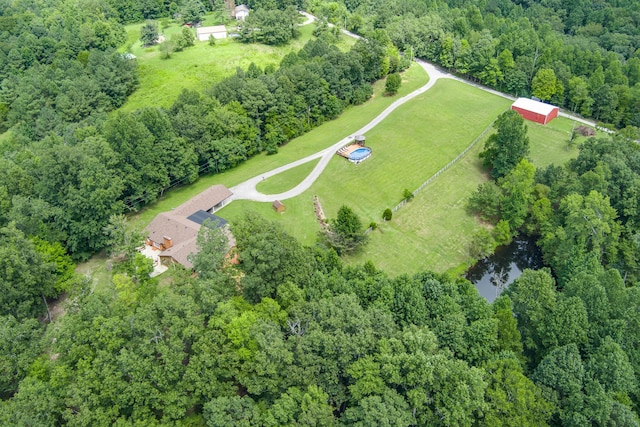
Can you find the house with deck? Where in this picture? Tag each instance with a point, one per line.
(175, 233)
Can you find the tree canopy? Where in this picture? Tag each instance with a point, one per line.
(505, 148)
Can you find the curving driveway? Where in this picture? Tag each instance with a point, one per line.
(247, 190)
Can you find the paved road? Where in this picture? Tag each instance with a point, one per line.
(308, 18)
(247, 190)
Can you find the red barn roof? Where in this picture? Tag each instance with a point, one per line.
(535, 111)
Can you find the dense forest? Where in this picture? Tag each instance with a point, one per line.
(77, 166)
(292, 336)
(581, 55)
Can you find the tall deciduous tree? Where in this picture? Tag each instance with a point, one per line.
(517, 188)
(26, 278)
(213, 245)
(545, 84)
(513, 399)
(19, 346)
(510, 144)
(192, 11)
(268, 256)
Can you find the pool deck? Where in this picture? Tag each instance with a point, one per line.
(346, 151)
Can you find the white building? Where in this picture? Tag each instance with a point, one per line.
(217, 31)
(241, 12)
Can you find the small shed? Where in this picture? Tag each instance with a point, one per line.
(217, 31)
(278, 206)
(360, 140)
(241, 12)
(535, 111)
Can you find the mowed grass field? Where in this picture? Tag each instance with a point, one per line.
(352, 119)
(431, 232)
(200, 66)
(411, 145)
(434, 230)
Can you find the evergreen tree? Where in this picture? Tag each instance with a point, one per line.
(149, 33)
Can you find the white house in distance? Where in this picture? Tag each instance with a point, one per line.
(241, 12)
(217, 31)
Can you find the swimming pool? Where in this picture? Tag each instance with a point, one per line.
(360, 154)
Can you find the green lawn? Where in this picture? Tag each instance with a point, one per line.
(550, 142)
(433, 231)
(412, 144)
(200, 66)
(298, 219)
(352, 119)
(286, 180)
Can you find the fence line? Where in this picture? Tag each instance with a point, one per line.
(451, 163)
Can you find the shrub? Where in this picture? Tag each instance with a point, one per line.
(482, 244)
(393, 83)
(387, 214)
(407, 194)
(502, 233)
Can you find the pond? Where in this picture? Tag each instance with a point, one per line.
(495, 273)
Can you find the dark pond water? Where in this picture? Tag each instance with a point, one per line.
(492, 275)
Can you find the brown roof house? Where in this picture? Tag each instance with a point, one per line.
(175, 233)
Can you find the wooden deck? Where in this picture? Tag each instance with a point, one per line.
(346, 151)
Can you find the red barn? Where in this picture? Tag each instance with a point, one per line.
(535, 111)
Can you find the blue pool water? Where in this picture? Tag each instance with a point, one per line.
(360, 153)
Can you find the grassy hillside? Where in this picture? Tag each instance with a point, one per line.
(352, 119)
(434, 230)
(200, 66)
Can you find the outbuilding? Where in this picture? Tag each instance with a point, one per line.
(241, 12)
(278, 206)
(217, 31)
(535, 111)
